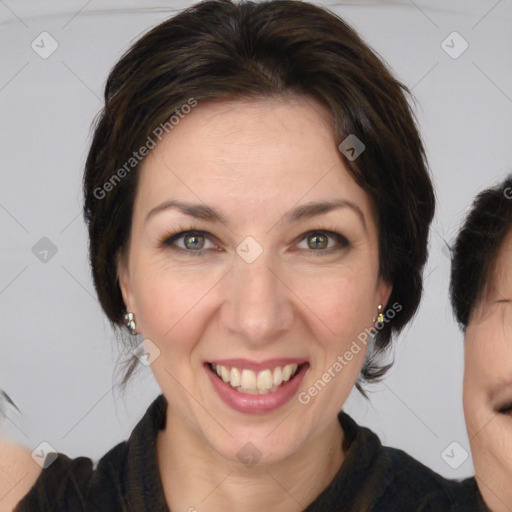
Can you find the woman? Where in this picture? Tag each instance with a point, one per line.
(258, 205)
(481, 294)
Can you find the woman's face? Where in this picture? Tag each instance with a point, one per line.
(272, 287)
(488, 385)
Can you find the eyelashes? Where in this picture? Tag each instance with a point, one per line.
(169, 241)
(506, 409)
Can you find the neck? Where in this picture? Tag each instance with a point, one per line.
(197, 478)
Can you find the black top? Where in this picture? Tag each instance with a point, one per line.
(372, 478)
(465, 496)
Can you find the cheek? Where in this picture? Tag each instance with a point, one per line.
(165, 298)
(477, 410)
(487, 361)
(491, 448)
(476, 415)
(338, 312)
(345, 301)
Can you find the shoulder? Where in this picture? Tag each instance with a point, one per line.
(75, 483)
(413, 484)
(465, 495)
(429, 489)
(410, 470)
(18, 473)
(395, 467)
(378, 478)
(125, 477)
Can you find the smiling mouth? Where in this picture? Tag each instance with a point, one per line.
(256, 383)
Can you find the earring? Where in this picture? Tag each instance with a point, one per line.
(380, 318)
(130, 323)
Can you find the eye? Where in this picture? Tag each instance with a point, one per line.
(319, 240)
(193, 241)
(506, 409)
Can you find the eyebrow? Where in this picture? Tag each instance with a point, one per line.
(208, 213)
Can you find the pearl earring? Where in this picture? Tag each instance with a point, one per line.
(130, 323)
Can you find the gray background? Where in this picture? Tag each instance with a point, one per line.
(58, 353)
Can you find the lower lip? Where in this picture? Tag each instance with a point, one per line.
(256, 404)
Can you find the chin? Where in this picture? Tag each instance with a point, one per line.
(263, 445)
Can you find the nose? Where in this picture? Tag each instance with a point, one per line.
(258, 306)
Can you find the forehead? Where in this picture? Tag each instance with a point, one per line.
(258, 153)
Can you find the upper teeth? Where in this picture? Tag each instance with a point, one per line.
(256, 382)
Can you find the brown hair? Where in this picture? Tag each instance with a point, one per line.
(222, 50)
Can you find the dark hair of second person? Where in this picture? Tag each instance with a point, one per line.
(481, 295)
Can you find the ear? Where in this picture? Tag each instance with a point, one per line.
(384, 289)
(123, 276)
